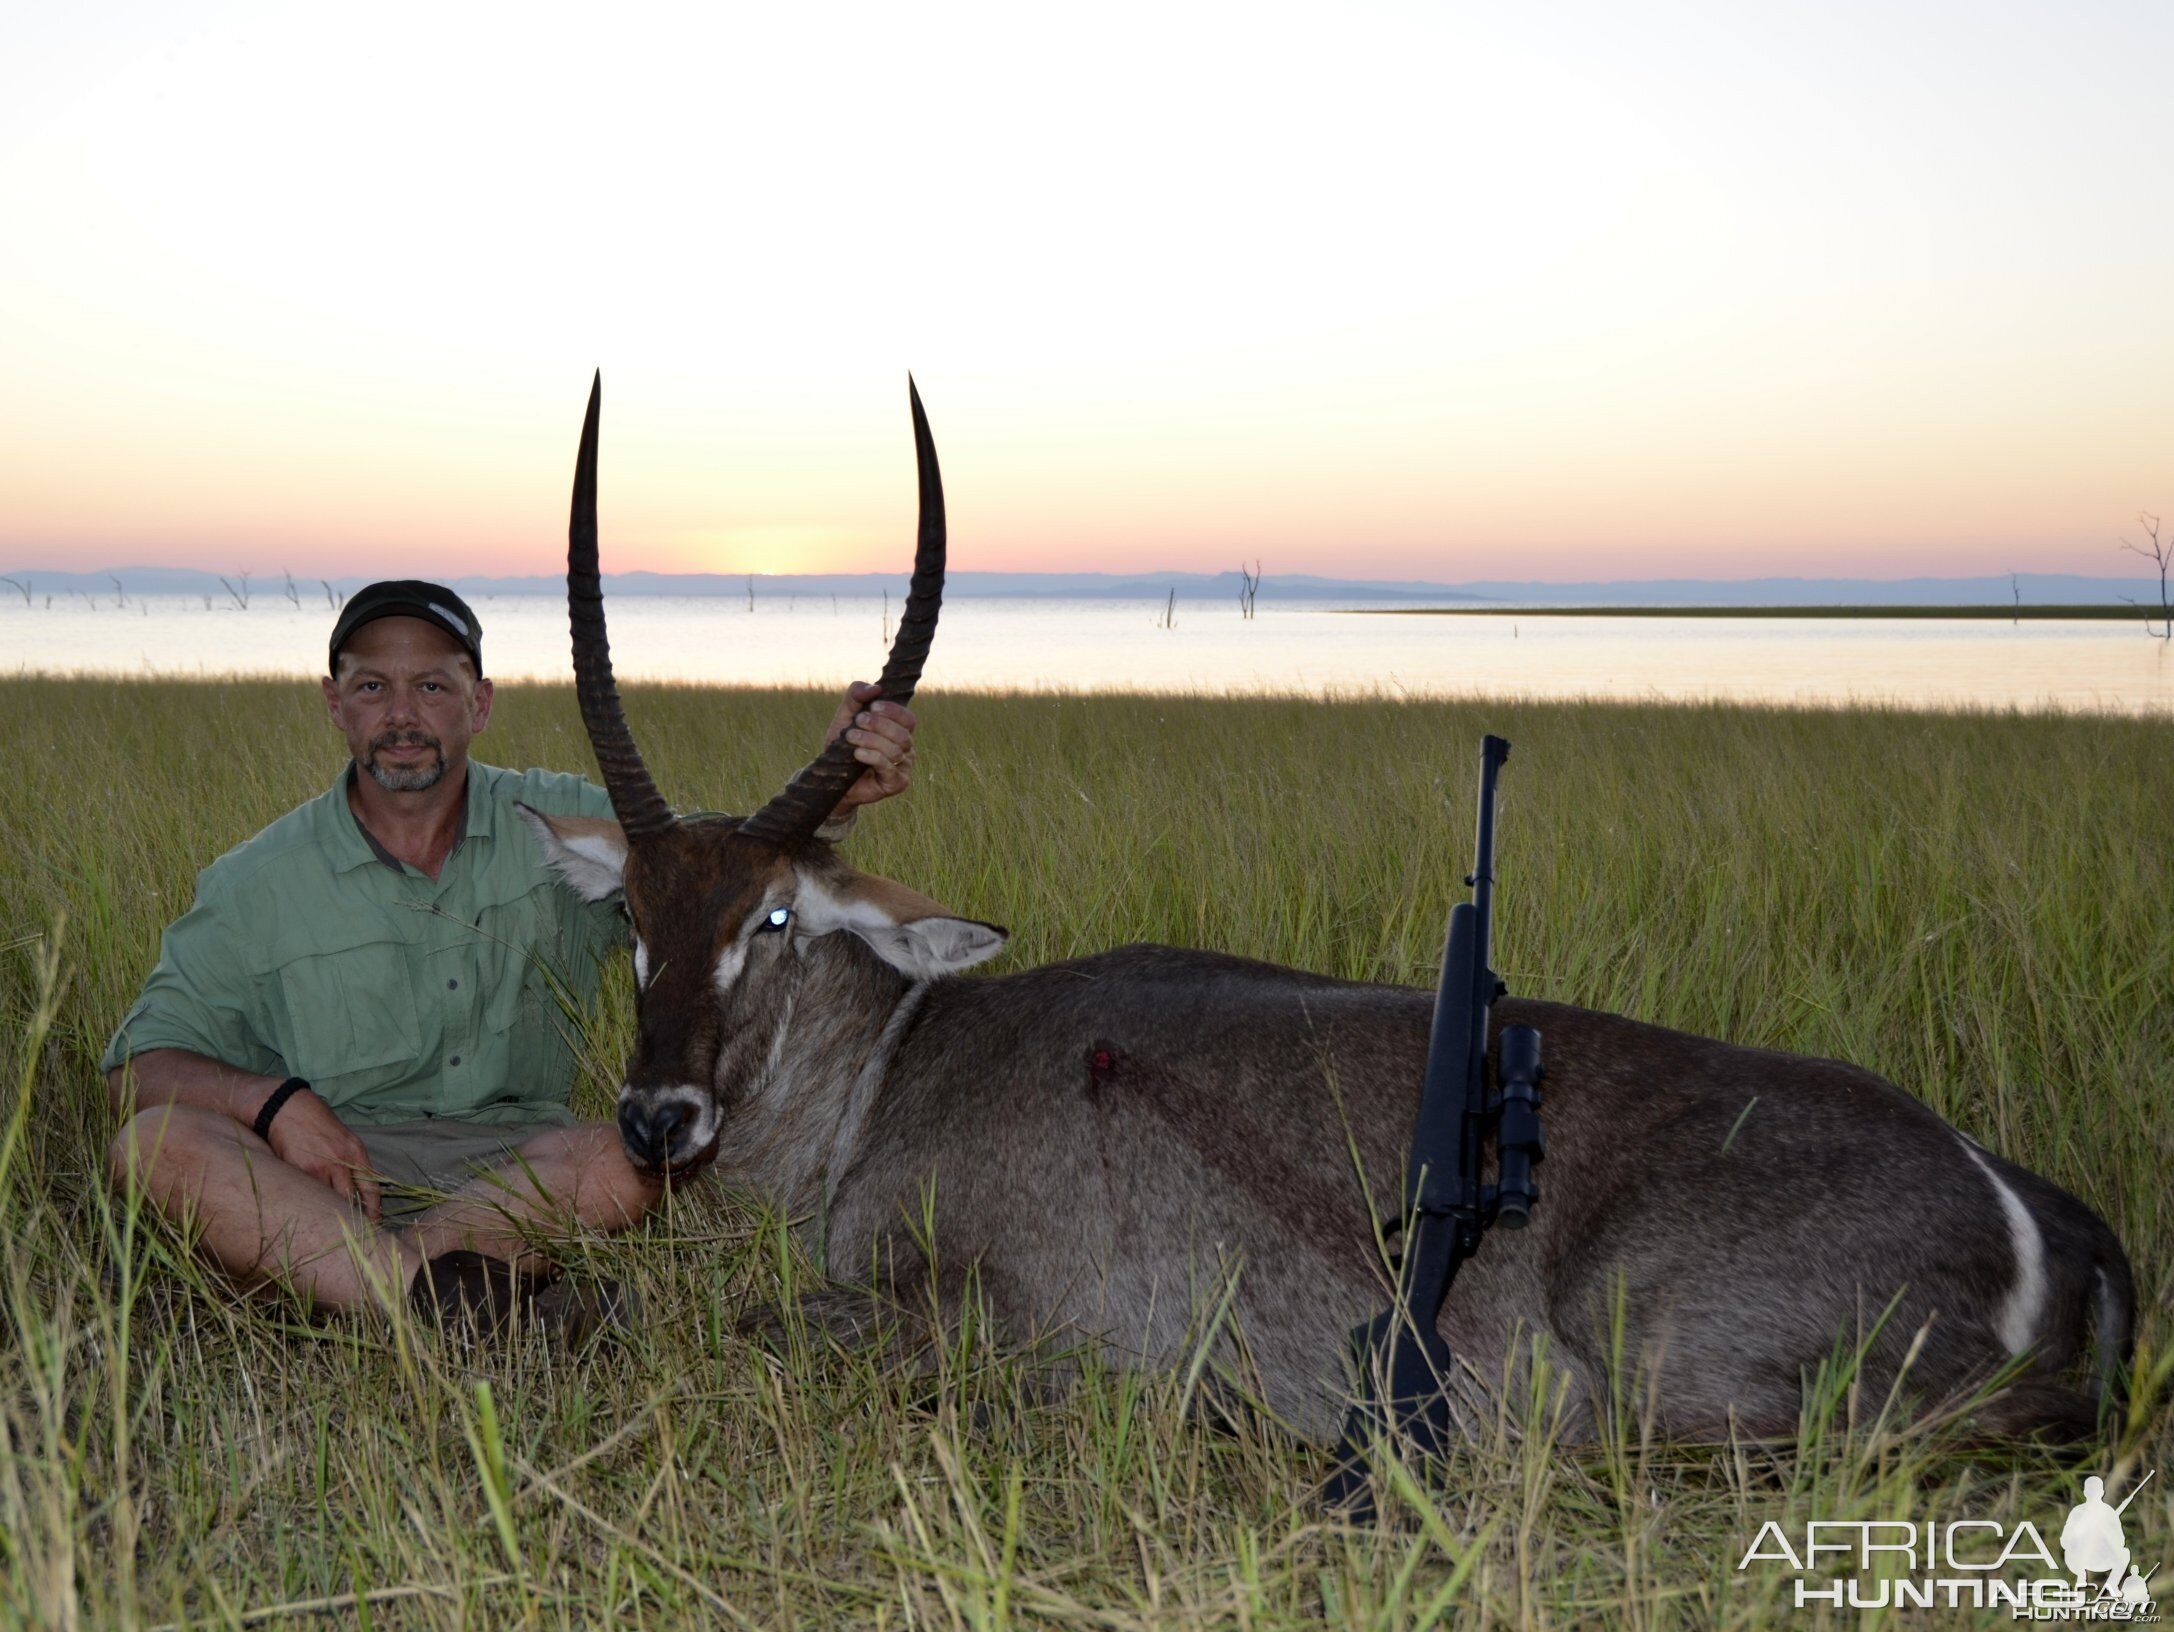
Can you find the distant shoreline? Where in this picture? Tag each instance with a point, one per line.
(1651, 595)
(2005, 614)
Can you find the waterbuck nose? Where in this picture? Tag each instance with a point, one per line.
(650, 1128)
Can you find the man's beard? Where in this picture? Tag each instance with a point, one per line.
(407, 778)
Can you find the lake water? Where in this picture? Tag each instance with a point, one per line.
(1309, 649)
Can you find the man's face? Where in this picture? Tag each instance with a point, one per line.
(408, 701)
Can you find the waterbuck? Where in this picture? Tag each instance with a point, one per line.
(1107, 1137)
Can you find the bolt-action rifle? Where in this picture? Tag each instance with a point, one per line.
(1404, 1365)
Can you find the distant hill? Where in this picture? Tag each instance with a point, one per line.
(1097, 585)
(1094, 585)
(2036, 588)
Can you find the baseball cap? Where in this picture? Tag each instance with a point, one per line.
(408, 598)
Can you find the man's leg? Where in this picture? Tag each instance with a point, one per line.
(561, 1177)
(260, 1219)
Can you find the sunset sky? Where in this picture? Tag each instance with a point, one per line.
(1433, 291)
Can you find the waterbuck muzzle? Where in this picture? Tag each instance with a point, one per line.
(711, 899)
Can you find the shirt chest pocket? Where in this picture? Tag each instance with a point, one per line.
(350, 1018)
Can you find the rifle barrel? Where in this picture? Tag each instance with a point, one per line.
(2140, 1484)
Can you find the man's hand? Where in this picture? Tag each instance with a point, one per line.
(882, 738)
(306, 1134)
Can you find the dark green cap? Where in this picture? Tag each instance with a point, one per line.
(408, 598)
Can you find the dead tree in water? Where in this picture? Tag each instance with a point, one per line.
(2161, 555)
(1251, 590)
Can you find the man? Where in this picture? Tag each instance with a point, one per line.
(378, 987)
(2091, 1539)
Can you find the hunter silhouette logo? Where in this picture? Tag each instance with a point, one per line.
(1971, 1564)
(2092, 1544)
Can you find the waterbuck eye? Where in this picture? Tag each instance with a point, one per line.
(778, 919)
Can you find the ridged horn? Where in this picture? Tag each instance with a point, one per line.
(790, 820)
(634, 797)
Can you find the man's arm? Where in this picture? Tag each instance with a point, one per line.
(306, 1134)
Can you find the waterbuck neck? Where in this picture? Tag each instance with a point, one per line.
(788, 1092)
(845, 1143)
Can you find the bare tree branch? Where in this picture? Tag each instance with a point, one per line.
(2161, 554)
(1251, 592)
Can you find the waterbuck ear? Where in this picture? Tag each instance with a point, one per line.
(589, 852)
(908, 931)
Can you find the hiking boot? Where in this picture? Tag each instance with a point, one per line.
(470, 1296)
(473, 1297)
(579, 1310)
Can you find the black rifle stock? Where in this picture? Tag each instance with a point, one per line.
(1404, 1363)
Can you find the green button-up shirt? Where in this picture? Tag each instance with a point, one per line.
(310, 952)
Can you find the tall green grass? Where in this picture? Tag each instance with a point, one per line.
(1980, 907)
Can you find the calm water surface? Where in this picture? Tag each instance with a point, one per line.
(1121, 645)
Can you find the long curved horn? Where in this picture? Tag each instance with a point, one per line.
(790, 820)
(634, 797)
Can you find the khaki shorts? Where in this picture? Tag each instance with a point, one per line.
(419, 1164)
